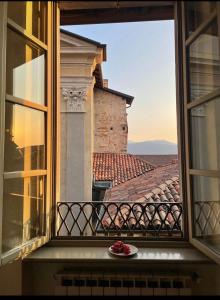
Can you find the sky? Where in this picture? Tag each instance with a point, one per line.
(140, 62)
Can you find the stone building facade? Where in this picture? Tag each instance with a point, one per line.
(111, 127)
(79, 59)
(86, 105)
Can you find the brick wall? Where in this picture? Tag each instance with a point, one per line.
(111, 131)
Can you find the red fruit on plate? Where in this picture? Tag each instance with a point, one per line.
(121, 247)
(117, 247)
(118, 243)
(126, 249)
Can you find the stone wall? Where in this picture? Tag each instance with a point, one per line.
(111, 129)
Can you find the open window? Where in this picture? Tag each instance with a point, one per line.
(201, 61)
(133, 197)
(26, 125)
(27, 35)
(197, 65)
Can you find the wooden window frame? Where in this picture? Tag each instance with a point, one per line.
(26, 103)
(3, 36)
(181, 138)
(52, 109)
(186, 42)
(50, 98)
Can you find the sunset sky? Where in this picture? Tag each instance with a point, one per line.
(141, 63)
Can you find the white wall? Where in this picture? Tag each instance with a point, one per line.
(39, 276)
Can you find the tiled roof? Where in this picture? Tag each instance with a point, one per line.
(118, 167)
(145, 183)
(161, 186)
(159, 160)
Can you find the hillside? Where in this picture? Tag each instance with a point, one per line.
(155, 147)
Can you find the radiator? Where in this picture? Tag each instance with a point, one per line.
(99, 284)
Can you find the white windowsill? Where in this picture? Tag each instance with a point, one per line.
(101, 255)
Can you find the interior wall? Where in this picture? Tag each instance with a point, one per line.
(39, 277)
(11, 278)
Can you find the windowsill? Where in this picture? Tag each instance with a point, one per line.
(99, 254)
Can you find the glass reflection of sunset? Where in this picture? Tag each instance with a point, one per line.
(30, 135)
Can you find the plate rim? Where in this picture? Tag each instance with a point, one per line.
(135, 250)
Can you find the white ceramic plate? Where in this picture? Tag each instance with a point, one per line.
(134, 250)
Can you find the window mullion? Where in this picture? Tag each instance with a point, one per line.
(3, 34)
(186, 118)
(203, 99)
(218, 23)
(180, 109)
(26, 103)
(22, 174)
(200, 29)
(56, 120)
(49, 95)
(12, 25)
(208, 173)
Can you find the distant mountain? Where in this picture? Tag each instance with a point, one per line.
(155, 147)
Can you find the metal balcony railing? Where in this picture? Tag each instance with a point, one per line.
(119, 218)
(207, 218)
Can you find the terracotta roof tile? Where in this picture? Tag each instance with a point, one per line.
(145, 183)
(118, 167)
(161, 185)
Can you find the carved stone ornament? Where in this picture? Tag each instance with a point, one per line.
(74, 99)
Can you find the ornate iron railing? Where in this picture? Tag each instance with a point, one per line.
(207, 218)
(119, 218)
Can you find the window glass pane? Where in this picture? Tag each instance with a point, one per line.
(23, 209)
(31, 16)
(204, 66)
(205, 136)
(197, 12)
(206, 202)
(25, 69)
(24, 138)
